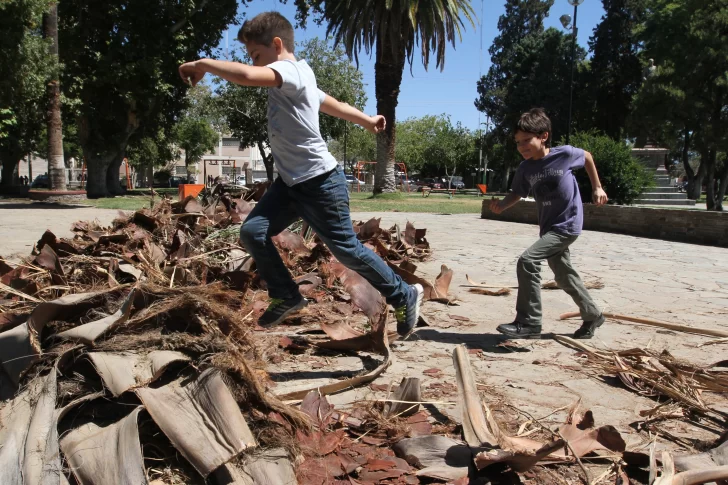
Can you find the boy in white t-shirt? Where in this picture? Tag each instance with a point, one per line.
(311, 185)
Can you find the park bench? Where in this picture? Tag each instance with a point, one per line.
(426, 191)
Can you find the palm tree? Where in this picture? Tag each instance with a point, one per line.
(56, 165)
(394, 29)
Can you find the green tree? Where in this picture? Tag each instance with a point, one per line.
(528, 69)
(687, 95)
(6, 121)
(337, 77)
(196, 137)
(616, 70)
(393, 30)
(533, 74)
(357, 144)
(147, 151)
(433, 146)
(246, 109)
(120, 61)
(623, 177)
(520, 20)
(24, 69)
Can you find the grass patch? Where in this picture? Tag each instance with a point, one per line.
(163, 190)
(434, 204)
(359, 202)
(127, 203)
(388, 196)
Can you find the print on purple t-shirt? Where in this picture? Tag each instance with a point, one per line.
(558, 200)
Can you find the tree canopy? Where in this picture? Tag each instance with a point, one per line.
(25, 68)
(121, 61)
(246, 109)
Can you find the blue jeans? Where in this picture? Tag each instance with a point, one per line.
(323, 202)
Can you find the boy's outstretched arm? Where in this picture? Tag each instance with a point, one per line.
(599, 197)
(498, 206)
(333, 107)
(234, 72)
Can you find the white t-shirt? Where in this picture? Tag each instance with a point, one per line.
(299, 151)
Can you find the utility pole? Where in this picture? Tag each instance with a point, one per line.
(565, 22)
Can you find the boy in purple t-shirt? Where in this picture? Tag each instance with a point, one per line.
(548, 173)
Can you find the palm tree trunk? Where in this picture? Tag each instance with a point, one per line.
(56, 167)
(387, 80)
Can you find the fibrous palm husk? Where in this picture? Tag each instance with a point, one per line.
(178, 295)
(656, 374)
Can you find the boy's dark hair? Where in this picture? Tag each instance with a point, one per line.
(262, 28)
(535, 121)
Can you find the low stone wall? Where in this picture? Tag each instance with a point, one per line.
(689, 226)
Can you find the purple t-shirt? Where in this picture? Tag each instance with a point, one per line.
(554, 186)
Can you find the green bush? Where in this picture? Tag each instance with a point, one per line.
(623, 176)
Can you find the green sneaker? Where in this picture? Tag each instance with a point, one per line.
(408, 314)
(279, 310)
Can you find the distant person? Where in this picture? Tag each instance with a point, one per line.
(549, 173)
(311, 184)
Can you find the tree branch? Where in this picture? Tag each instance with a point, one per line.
(177, 26)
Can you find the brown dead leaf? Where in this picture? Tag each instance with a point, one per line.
(434, 372)
(317, 407)
(483, 291)
(363, 295)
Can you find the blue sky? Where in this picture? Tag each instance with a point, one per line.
(453, 90)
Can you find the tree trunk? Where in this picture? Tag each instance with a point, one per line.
(695, 180)
(267, 162)
(56, 165)
(388, 70)
(695, 183)
(150, 174)
(103, 174)
(97, 166)
(187, 169)
(113, 184)
(9, 162)
(722, 187)
(708, 157)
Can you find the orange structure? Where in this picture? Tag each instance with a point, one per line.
(190, 189)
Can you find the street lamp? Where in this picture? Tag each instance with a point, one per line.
(565, 20)
(480, 161)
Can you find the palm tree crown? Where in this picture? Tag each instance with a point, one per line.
(397, 24)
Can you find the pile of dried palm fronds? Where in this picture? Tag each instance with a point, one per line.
(142, 334)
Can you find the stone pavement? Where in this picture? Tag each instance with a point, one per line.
(22, 223)
(675, 282)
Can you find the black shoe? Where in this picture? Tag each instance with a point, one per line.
(279, 310)
(519, 330)
(408, 314)
(587, 329)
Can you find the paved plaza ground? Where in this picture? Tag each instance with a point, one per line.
(675, 282)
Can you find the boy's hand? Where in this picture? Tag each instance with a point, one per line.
(496, 207)
(599, 197)
(377, 124)
(191, 72)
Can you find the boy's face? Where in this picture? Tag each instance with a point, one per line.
(262, 55)
(531, 145)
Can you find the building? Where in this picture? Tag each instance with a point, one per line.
(228, 159)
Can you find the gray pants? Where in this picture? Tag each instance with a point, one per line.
(554, 248)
